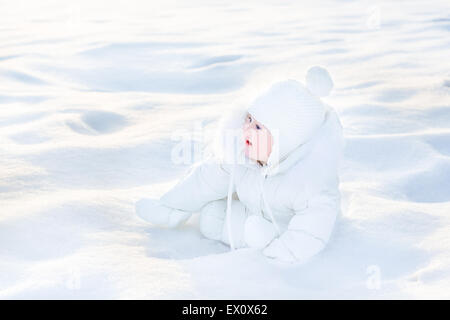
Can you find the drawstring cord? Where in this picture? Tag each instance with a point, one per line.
(277, 228)
(229, 200)
(230, 190)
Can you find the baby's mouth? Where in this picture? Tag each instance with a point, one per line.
(247, 142)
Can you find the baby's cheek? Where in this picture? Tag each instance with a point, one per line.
(263, 141)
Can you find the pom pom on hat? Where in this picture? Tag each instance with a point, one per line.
(318, 81)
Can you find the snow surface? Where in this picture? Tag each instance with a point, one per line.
(92, 94)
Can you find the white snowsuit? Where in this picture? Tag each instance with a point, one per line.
(299, 196)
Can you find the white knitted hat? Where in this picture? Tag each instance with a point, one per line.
(291, 111)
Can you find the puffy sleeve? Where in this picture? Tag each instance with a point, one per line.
(309, 229)
(204, 182)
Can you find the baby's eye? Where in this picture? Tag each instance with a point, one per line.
(249, 119)
(258, 127)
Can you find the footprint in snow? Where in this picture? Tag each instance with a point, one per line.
(98, 122)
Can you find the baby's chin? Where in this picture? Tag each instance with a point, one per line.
(249, 155)
(247, 152)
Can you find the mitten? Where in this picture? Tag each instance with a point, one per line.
(258, 232)
(156, 213)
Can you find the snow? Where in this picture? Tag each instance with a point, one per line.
(94, 94)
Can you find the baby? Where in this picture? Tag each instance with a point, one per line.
(281, 192)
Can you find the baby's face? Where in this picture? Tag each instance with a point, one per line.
(257, 139)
